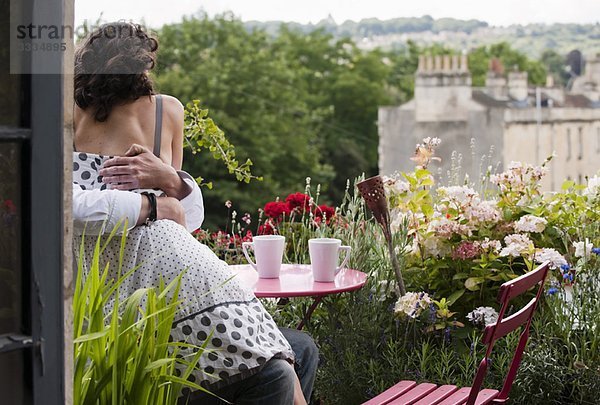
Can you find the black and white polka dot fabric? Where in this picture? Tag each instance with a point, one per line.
(242, 335)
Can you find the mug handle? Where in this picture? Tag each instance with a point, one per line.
(347, 250)
(245, 246)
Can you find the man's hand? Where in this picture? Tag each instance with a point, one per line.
(166, 208)
(170, 208)
(139, 168)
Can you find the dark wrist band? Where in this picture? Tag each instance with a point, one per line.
(152, 214)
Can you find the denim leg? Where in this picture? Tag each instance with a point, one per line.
(307, 358)
(273, 385)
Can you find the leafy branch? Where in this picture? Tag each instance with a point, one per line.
(202, 133)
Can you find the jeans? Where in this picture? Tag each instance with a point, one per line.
(307, 358)
(274, 384)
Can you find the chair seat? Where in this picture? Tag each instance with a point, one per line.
(411, 393)
(459, 397)
(414, 394)
(438, 395)
(392, 393)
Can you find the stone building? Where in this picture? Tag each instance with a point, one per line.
(518, 122)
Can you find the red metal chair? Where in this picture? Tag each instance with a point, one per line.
(409, 392)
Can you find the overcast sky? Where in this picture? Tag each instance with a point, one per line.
(496, 12)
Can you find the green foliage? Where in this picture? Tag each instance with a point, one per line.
(258, 100)
(556, 64)
(202, 133)
(121, 348)
(479, 59)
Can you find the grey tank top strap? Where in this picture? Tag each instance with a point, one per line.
(158, 125)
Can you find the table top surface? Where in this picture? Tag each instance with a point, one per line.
(296, 280)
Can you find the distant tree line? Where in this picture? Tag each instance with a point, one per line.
(375, 26)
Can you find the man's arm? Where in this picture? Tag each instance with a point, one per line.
(141, 169)
(97, 211)
(192, 202)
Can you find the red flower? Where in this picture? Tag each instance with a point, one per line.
(299, 201)
(248, 237)
(275, 209)
(325, 211)
(266, 229)
(237, 239)
(221, 239)
(200, 234)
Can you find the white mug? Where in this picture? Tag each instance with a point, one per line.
(324, 257)
(268, 251)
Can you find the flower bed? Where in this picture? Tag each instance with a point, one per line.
(456, 243)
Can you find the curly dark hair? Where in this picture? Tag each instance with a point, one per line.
(111, 67)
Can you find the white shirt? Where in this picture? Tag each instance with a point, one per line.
(98, 210)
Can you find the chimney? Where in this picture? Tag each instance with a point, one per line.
(592, 70)
(495, 83)
(442, 88)
(517, 85)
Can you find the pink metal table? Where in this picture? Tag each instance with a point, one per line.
(296, 280)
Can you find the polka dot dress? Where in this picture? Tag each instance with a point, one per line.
(242, 335)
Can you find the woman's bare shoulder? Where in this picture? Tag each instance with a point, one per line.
(172, 104)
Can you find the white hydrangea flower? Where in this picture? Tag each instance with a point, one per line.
(401, 186)
(435, 247)
(583, 249)
(483, 316)
(593, 185)
(531, 224)
(460, 195)
(518, 176)
(490, 245)
(393, 184)
(547, 254)
(412, 304)
(480, 211)
(445, 228)
(516, 244)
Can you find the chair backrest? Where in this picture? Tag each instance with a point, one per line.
(504, 326)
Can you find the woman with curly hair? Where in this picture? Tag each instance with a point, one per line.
(118, 120)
